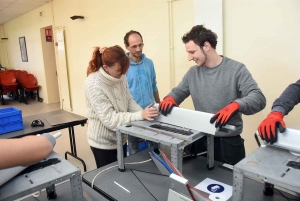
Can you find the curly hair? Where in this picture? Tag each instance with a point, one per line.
(199, 35)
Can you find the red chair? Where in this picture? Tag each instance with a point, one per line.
(8, 84)
(28, 86)
(19, 76)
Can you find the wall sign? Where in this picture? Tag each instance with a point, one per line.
(48, 34)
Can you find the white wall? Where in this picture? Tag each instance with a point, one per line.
(29, 25)
(183, 17)
(105, 24)
(264, 35)
(3, 55)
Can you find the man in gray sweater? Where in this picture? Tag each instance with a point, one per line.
(281, 107)
(217, 85)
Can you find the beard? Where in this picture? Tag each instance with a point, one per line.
(201, 63)
(137, 55)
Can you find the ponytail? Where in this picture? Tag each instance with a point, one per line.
(110, 56)
(96, 61)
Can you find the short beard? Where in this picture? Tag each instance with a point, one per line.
(138, 57)
(205, 57)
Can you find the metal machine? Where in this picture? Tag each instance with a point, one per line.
(177, 130)
(277, 164)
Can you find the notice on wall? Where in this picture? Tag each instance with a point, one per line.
(48, 34)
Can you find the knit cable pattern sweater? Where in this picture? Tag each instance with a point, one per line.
(109, 105)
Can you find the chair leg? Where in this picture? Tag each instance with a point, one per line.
(16, 94)
(2, 99)
(38, 96)
(25, 97)
(32, 95)
(20, 99)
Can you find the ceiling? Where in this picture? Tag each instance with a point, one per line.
(11, 9)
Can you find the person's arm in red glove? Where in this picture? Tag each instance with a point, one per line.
(166, 106)
(268, 127)
(225, 114)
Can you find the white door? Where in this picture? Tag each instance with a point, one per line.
(62, 71)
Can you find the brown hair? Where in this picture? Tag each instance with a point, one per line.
(126, 37)
(109, 56)
(199, 35)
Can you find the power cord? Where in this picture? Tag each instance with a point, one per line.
(36, 194)
(134, 163)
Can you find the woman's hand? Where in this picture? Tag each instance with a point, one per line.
(149, 112)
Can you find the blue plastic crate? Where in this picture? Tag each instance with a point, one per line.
(142, 145)
(10, 120)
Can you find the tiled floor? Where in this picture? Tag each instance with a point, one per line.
(63, 143)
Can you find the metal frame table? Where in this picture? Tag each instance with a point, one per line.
(28, 130)
(155, 135)
(267, 164)
(46, 177)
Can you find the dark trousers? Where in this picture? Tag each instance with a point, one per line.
(104, 156)
(226, 149)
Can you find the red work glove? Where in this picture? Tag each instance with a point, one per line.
(268, 127)
(167, 105)
(225, 114)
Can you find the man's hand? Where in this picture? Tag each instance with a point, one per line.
(166, 106)
(225, 114)
(268, 127)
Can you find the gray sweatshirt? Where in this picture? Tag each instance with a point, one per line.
(212, 89)
(288, 99)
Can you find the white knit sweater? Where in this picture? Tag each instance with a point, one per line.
(109, 105)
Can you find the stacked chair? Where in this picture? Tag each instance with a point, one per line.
(20, 84)
(27, 86)
(8, 84)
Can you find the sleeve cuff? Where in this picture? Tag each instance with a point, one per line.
(279, 109)
(241, 104)
(139, 116)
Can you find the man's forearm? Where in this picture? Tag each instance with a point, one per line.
(23, 151)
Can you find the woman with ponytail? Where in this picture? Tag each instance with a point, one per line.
(109, 103)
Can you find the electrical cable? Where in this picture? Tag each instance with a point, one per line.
(36, 194)
(134, 163)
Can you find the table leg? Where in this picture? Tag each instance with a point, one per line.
(76, 187)
(176, 157)
(120, 151)
(73, 152)
(238, 185)
(210, 152)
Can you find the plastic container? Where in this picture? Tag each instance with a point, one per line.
(142, 145)
(10, 120)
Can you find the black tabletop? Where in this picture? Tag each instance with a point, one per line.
(194, 170)
(28, 130)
